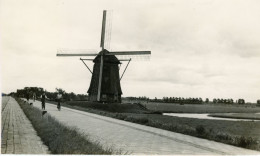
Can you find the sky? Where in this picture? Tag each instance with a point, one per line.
(200, 48)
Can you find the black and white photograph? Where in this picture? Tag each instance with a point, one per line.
(130, 77)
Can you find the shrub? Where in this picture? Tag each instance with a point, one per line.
(222, 136)
(140, 120)
(245, 141)
(200, 130)
(120, 116)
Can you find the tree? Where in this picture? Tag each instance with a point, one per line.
(22, 92)
(200, 100)
(72, 96)
(241, 101)
(59, 90)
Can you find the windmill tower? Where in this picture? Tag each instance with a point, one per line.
(105, 82)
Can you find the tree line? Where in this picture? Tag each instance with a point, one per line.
(80, 97)
(182, 100)
(50, 95)
(200, 101)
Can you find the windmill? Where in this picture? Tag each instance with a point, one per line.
(105, 81)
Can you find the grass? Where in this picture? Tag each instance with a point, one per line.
(238, 116)
(202, 108)
(59, 138)
(238, 133)
(115, 107)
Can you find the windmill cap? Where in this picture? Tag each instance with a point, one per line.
(107, 58)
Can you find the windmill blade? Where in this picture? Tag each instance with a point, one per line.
(103, 30)
(100, 78)
(134, 55)
(108, 30)
(76, 52)
(129, 53)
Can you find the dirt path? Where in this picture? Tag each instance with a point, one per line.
(138, 139)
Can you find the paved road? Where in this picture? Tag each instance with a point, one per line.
(138, 139)
(17, 134)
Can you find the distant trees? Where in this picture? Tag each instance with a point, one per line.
(50, 95)
(72, 96)
(229, 101)
(140, 98)
(66, 96)
(22, 92)
(182, 100)
(225, 101)
(241, 101)
(258, 102)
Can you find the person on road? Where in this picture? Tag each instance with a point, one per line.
(43, 101)
(59, 96)
(34, 96)
(27, 96)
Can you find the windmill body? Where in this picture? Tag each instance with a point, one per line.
(110, 84)
(105, 82)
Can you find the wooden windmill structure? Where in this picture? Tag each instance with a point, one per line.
(105, 82)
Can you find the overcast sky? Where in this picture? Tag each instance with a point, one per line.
(200, 48)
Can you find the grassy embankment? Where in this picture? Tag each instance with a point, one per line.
(59, 138)
(238, 133)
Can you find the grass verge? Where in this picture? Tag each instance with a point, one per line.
(59, 138)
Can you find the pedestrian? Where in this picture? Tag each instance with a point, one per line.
(43, 101)
(28, 96)
(59, 96)
(34, 96)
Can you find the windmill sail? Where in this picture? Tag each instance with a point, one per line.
(102, 42)
(76, 52)
(129, 53)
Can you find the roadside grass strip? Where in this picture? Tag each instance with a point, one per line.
(59, 138)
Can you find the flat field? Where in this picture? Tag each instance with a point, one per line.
(202, 108)
(238, 116)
